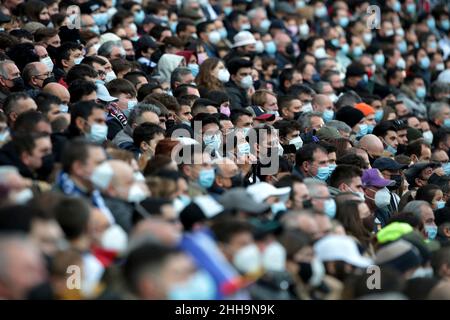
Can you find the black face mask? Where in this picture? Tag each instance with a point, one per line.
(274, 74)
(372, 159)
(290, 50)
(297, 115)
(398, 182)
(305, 273)
(307, 204)
(401, 148)
(48, 80)
(47, 167)
(130, 57)
(44, 22)
(169, 124)
(18, 86)
(237, 181)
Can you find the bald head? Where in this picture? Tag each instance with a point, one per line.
(372, 144)
(321, 102)
(58, 90)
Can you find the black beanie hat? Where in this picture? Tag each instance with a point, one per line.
(349, 115)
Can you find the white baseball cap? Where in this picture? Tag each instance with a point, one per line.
(340, 248)
(263, 190)
(243, 38)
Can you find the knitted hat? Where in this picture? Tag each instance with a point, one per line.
(399, 255)
(365, 108)
(349, 115)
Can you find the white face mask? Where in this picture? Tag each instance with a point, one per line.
(136, 194)
(114, 238)
(297, 142)
(382, 198)
(274, 257)
(247, 259)
(110, 76)
(23, 196)
(428, 137)
(223, 75)
(307, 107)
(318, 272)
(48, 62)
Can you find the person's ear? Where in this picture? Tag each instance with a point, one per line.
(65, 63)
(414, 158)
(305, 166)
(144, 146)
(344, 188)
(79, 122)
(219, 181)
(446, 231)
(25, 158)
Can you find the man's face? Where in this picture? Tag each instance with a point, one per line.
(237, 242)
(147, 117)
(391, 139)
(122, 103)
(401, 110)
(201, 161)
(241, 74)
(47, 234)
(440, 156)
(427, 216)
(185, 113)
(317, 123)
(75, 54)
(332, 158)
(413, 122)
(24, 105)
(244, 121)
(13, 73)
(42, 148)
(177, 271)
(301, 193)
(100, 70)
(356, 185)
(54, 41)
(295, 106)
(336, 82)
(271, 103)
(318, 201)
(320, 159)
(128, 47)
(402, 137)
(425, 154)
(96, 156)
(41, 51)
(41, 74)
(24, 270)
(227, 172)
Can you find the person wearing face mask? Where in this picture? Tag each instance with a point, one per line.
(413, 93)
(116, 182)
(356, 79)
(392, 170)
(240, 82)
(209, 36)
(321, 199)
(422, 210)
(166, 262)
(10, 79)
(347, 178)
(264, 192)
(354, 118)
(386, 131)
(377, 195)
(306, 269)
(432, 194)
(145, 138)
(227, 177)
(197, 219)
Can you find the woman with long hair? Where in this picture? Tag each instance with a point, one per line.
(36, 10)
(358, 223)
(212, 76)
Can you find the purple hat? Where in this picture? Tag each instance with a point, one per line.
(373, 178)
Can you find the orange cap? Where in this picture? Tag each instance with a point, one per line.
(365, 108)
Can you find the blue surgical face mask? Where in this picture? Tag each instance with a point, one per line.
(440, 204)
(445, 24)
(245, 131)
(206, 178)
(362, 130)
(139, 16)
(345, 48)
(223, 33)
(278, 207)
(200, 286)
(343, 21)
(403, 46)
(431, 23)
(213, 142)
(397, 6)
(446, 123)
(391, 149)
(4, 135)
(95, 29)
(329, 208)
(98, 133)
(100, 19)
(323, 173)
(446, 167)
(431, 231)
(173, 26)
(194, 68)
(270, 48)
(328, 115)
(357, 51)
(243, 149)
(379, 59)
(64, 108)
(421, 92)
(379, 115)
(131, 104)
(370, 128)
(411, 8)
(332, 167)
(424, 62)
(335, 42)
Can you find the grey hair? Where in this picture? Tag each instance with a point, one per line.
(435, 109)
(178, 74)
(339, 125)
(415, 207)
(106, 48)
(252, 13)
(140, 109)
(350, 98)
(3, 64)
(305, 120)
(313, 186)
(438, 87)
(320, 85)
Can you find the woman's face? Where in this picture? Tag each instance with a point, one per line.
(44, 15)
(437, 197)
(363, 210)
(219, 66)
(53, 9)
(193, 59)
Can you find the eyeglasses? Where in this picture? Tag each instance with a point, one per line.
(47, 75)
